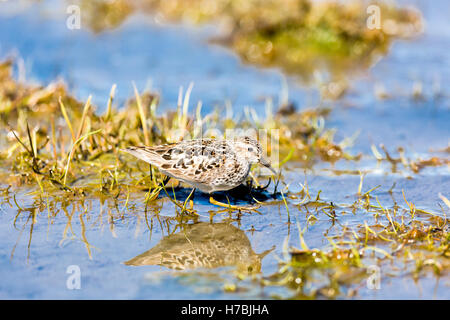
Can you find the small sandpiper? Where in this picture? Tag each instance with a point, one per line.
(207, 164)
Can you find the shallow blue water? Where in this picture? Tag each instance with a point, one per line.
(168, 57)
(171, 56)
(43, 273)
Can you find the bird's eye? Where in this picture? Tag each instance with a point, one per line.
(250, 149)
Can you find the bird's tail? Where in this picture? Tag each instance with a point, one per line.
(146, 154)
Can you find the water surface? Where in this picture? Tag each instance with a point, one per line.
(166, 57)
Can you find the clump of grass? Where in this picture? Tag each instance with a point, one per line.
(299, 36)
(315, 273)
(406, 238)
(76, 149)
(105, 15)
(72, 157)
(70, 160)
(413, 165)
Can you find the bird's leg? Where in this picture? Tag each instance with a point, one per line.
(166, 179)
(250, 187)
(191, 202)
(250, 184)
(182, 207)
(260, 188)
(230, 206)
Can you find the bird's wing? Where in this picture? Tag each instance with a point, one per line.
(192, 159)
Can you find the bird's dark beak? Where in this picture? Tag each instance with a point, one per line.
(266, 163)
(265, 253)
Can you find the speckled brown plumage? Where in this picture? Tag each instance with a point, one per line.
(208, 164)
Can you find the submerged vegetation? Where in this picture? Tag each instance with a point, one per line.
(61, 160)
(298, 36)
(395, 240)
(76, 141)
(71, 160)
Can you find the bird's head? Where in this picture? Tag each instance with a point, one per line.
(252, 151)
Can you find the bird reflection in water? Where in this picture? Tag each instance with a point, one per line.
(203, 245)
